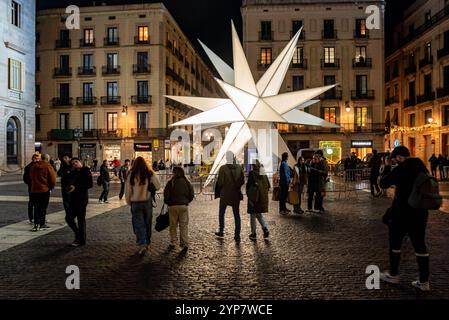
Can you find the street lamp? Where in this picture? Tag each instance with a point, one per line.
(430, 120)
(125, 110)
(348, 107)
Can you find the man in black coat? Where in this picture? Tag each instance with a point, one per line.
(79, 198)
(374, 164)
(65, 173)
(104, 174)
(402, 219)
(27, 179)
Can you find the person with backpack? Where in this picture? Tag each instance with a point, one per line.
(409, 212)
(257, 189)
(141, 182)
(78, 189)
(178, 194)
(228, 189)
(104, 180)
(285, 178)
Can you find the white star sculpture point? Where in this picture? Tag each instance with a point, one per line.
(251, 106)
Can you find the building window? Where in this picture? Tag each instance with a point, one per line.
(142, 33)
(112, 90)
(329, 30)
(298, 56)
(265, 56)
(427, 84)
(296, 25)
(112, 121)
(362, 84)
(112, 61)
(88, 61)
(63, 121)
(360, 54)
(88, 36)
(361, 116)
(88, 90)
(142, 89)
(38, 64)
(265, 30)
(428, 116)
(142, 59)
(88, 121)
(38, 122)
(329, 55)
(64, 92)
(38, 92)
(446, 77)
(428, 51)
(64, 63)
(16, 75)
(446, 116)
(412, 120)
(142, 120)
(12, 142)
(330, 114)
(112, 33)
(411, 90)
(360, 28)
(16, 14)
(167, 120)
(298, 83)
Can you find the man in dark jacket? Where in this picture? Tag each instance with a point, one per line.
(433, 165)
(104, 174)
(123, 174)
(229, 184)
(316, 184)
(65, 173)
(285, 178)
(374, 164)
(79, 197)
(27, 179)
(402, 218)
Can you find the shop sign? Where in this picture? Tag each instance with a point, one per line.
(167, 144)
(87, 145)
(145, 147)
(361, 143)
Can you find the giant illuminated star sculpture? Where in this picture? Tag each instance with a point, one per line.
(250, 106)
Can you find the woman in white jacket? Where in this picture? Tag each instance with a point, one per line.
(141, 179)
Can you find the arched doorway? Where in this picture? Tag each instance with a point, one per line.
(12, 142)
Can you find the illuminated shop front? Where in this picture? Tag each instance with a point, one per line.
(331, 150)
(144, 150)
(362, 147)
(111, 151)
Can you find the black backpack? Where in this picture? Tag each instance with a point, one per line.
(425, 193)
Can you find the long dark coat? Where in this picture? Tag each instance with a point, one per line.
(260, 206)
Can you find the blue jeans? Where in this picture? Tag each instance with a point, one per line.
(104, 194)
(235, 210)
(259, 217)
(142, 216)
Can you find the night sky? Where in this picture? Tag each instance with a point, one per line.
(209, 20)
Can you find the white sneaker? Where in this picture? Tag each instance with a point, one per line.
(423, 286)
(387, 277)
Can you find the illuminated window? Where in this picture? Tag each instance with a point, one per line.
(143, 34)
(88, 36)
(112, 121)
(265, 56)
(298, 56)
(360, 54)
(330, 114)
(329, 55)
(361, 28)
(361, 116)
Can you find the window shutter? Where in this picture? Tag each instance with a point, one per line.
(10, 73)
(22, 77)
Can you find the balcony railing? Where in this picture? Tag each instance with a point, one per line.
(358, 95)
(61, 44)
(410, 69)
(138, 40)
(141, 99)
(87, 71)
(443, 52)
(330, 65)
(263, 64)
(62, 102)
(87, 43)
(150, 133)
(377, 128)
(391, 100)
(410, 102)
(266, 36)
(442, 92)
(425, 62)
(430, 96)
(62, 72)
(300, 65)
(60, 134)
(329, 34)
(332, 94)
(362, 63)
(302, 35)
(359, 35)
(86, 101)
(110, 134)
(111, 100)
(171, 73)
(110, 70)
(89, 134)
(178, 105)
(141, 68)
(111, 41)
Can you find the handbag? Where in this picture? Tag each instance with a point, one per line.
(293, 197)
(163, 220)
(276, 191)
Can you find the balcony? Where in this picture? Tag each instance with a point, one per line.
(332, 94)
(63, 44)
(262, 65)
(141, 68)
(62, 102)
(150, 133)
(410, 102)
(266, 36)
(178, 105)
(329, 34)
(108, 42)
(86, 101)
(110, 134)
(391, 100)
(362, 63)
(60, 134)
(141, 41)
(442, 92)
(110, 70)
(443, 52)
(171, 73)
(302, 36)
(425, 62)
(299, 65)
(410, 70)
(62, 72)
(358, 34)
(376, 128)
(89, 134)
(111, 100)
(87, 71)
(326, 64)
(87, 43)
(358, 95)
(429, 96)
(141, 99)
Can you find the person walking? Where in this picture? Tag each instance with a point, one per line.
(43, 180)
(433, 160)
(441, 161)
(122, 174)
(315, 185)
(105, 179)
(324, 165)
(299, 182)
(65, 173)
(178, 193)
(228, 189)
(257, 189)
(374, 164)
(404, 220)
(284, 183)
(95, 165)
(140, 181)
(27, 179)
(78, 189)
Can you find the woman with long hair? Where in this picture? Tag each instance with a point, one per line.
(139, 183)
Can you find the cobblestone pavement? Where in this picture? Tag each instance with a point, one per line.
(307, 257)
